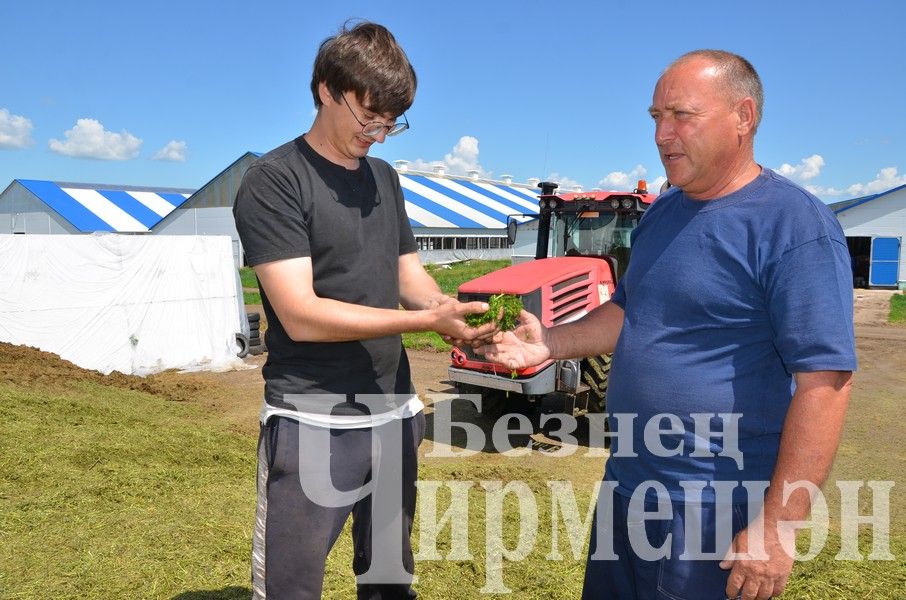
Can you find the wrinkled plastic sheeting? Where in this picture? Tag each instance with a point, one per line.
(138, 304)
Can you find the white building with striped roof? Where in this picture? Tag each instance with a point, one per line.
(456, 218)
(29, 206)
(453, 217)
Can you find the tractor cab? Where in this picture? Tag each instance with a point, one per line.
(594, 224)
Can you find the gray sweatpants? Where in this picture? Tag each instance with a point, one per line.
(293, 534)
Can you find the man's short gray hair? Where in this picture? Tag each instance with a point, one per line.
(739, 76)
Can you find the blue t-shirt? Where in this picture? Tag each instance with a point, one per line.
(724, 300)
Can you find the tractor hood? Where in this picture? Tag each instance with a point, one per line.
(529, 276)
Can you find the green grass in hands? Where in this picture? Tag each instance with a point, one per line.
(504, 309)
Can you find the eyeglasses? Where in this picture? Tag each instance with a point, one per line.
(374, 128)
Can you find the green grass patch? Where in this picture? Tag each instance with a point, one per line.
(450, 277)
(504, 309)
(898, 308)
(250, 291)
(427, 340)
(247, 275)
(554, 564)
(110, 493)
(827, 578)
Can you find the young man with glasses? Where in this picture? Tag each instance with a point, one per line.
(326, 230)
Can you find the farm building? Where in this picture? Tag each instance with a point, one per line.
(453, 217)
(29, 206)
(875, 227)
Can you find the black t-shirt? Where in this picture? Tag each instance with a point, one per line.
(293, 203)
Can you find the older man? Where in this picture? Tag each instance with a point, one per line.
(733, 352)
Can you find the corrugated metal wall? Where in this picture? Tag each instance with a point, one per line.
(22, 212)
(209, 211)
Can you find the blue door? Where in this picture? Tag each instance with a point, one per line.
(885, 261)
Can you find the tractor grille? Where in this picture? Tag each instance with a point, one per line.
(474, 297)
(571, 298)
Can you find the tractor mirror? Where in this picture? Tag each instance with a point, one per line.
(511, 231)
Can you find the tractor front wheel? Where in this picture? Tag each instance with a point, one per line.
(595, 373)
(493, 402)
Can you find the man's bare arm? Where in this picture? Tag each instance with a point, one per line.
(808, 444)
(307, 317)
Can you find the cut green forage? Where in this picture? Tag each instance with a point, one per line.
(511, 306)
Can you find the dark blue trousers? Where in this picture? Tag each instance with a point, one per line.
(682, 574)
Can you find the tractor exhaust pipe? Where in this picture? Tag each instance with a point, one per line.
(544, 218)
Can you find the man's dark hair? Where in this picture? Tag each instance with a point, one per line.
(367, 60)
(738, 74)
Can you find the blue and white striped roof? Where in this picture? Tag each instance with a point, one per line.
(121, 209)
(436, 201)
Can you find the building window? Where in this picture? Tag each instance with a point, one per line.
(461, 242)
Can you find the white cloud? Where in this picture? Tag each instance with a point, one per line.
(654, 186)
(620, 181)
(806, 170)
(809, 168)
(174, 151)
(567, 184)
(464, 157)
(614, 181)
(15, 130)
(822, 191)
(89, 139)
(886, 179)
(459, 161)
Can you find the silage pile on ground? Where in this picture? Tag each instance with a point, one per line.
(27, 366)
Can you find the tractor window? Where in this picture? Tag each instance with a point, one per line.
(594, 234)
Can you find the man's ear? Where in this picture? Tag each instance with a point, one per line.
(324, 93)
(748, 114)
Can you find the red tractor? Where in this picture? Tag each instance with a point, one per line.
(582, 250)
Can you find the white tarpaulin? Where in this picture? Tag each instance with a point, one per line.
(137, 304)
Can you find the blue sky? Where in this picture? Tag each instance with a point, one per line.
(170, 93)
